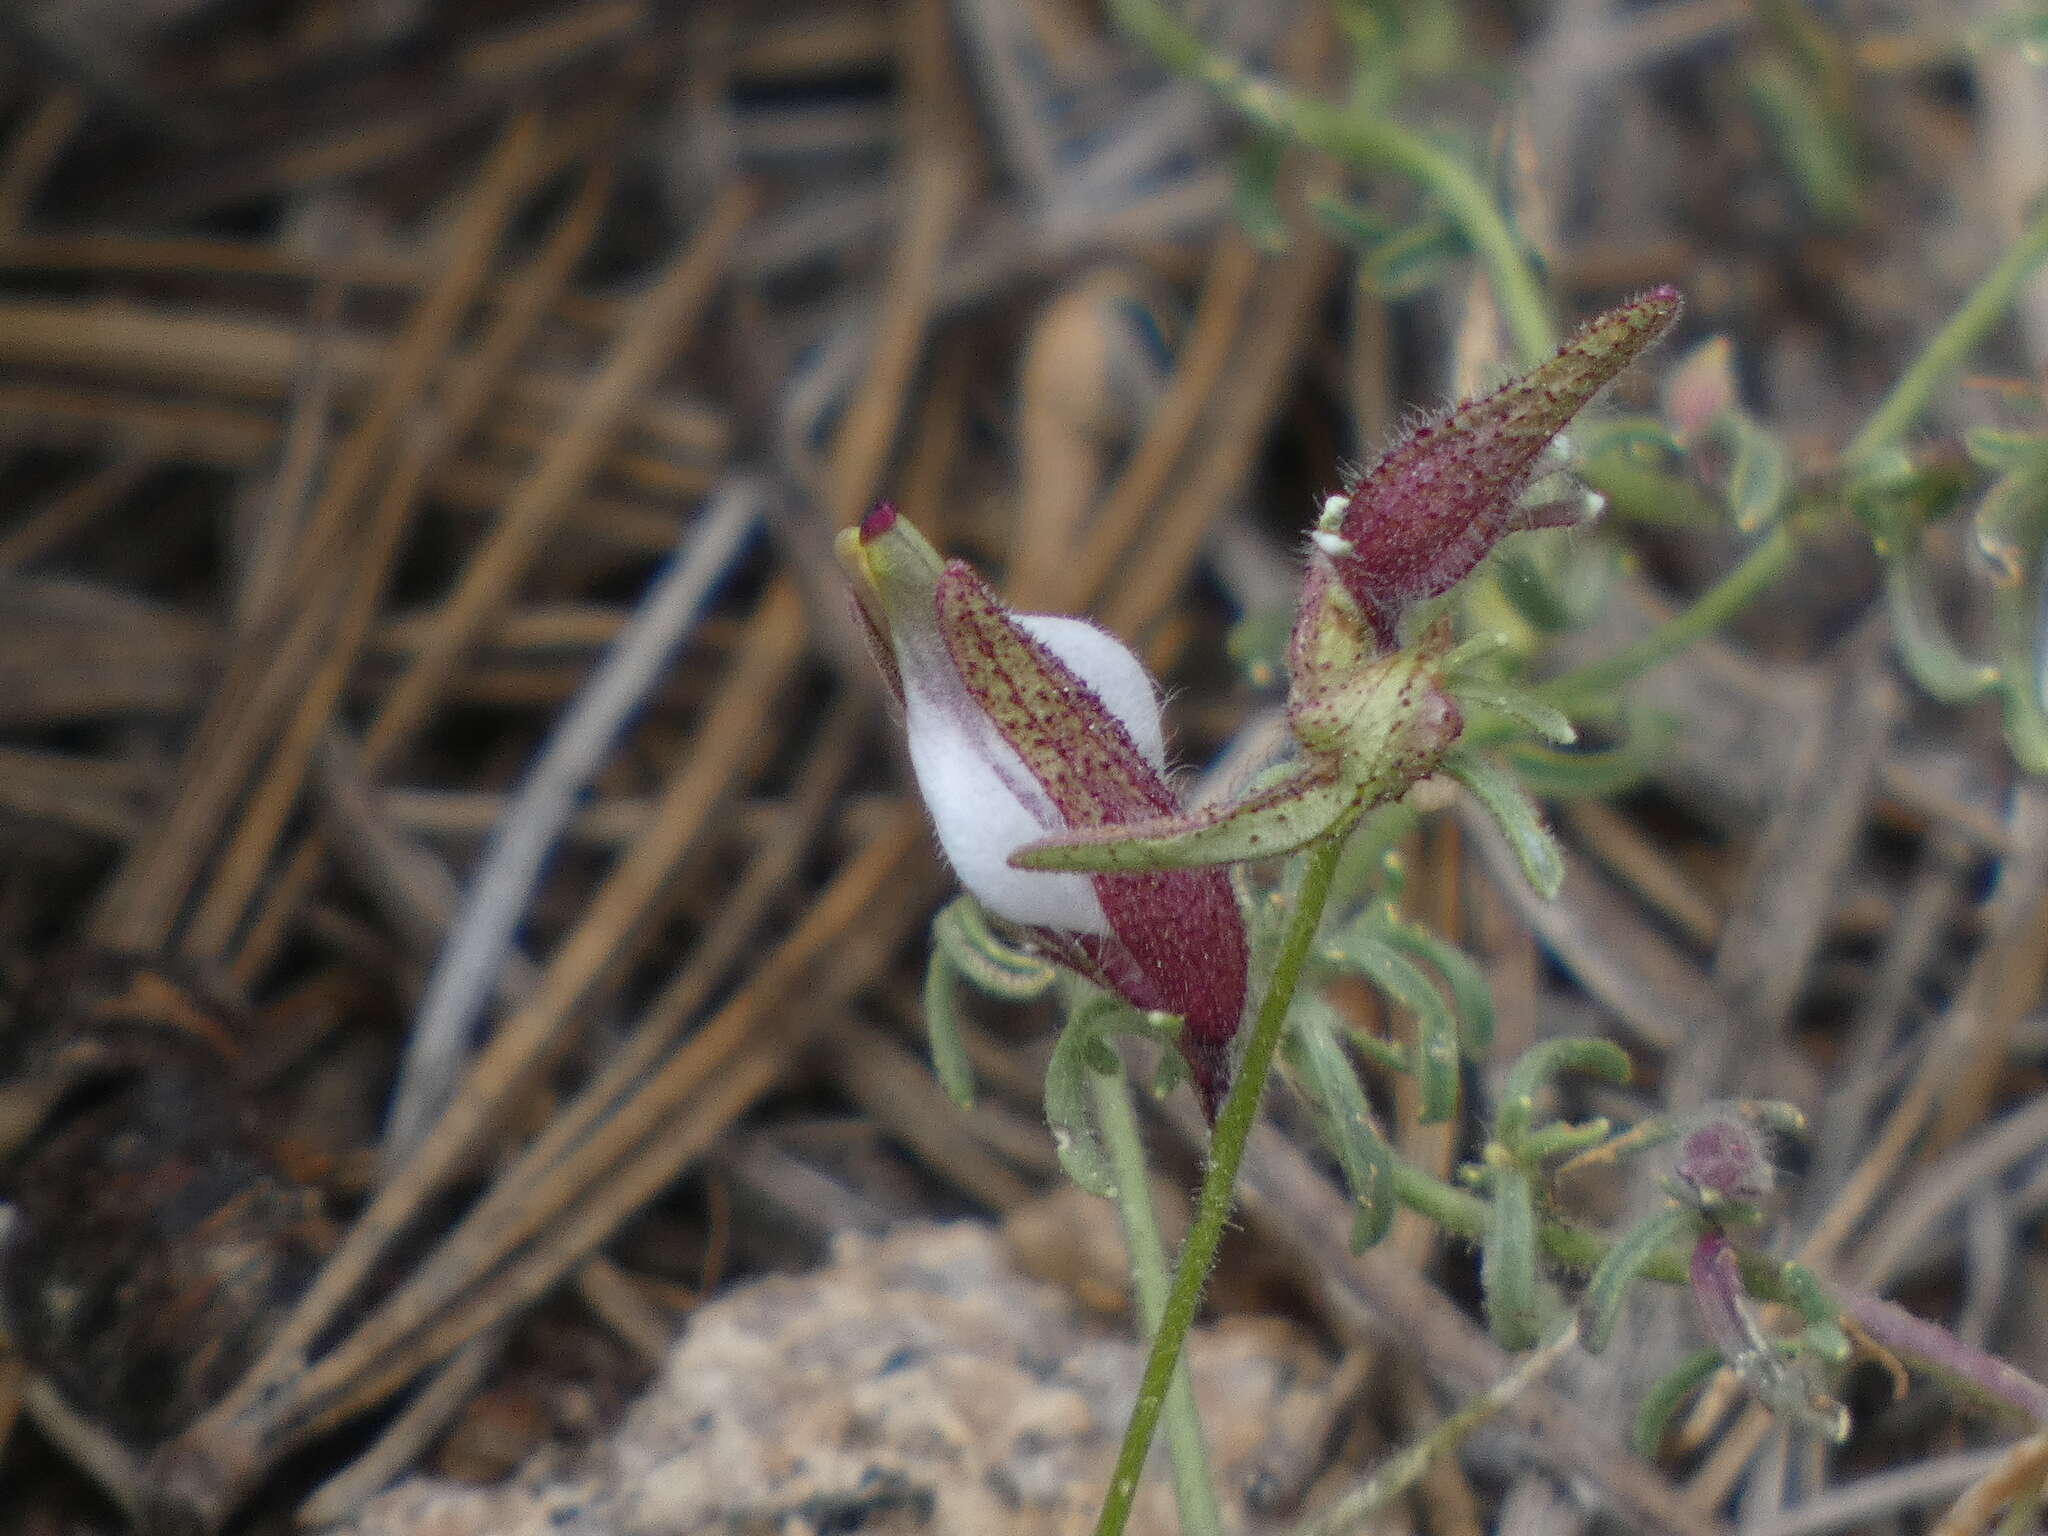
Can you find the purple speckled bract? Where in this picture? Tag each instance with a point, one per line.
(1428, 511)
(1177, 941)
(1726, 1157)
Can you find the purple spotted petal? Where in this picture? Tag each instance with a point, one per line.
(1176, 940)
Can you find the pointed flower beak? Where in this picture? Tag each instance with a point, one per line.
(1024, 726)
(1420, 519)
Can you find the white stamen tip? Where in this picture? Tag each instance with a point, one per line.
(1333, 545)
(1333, 509)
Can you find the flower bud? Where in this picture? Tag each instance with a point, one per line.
(1417, 522)
(1724, 1159)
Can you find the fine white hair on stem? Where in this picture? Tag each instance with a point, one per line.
(544, 804)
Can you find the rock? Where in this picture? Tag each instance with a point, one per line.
(918, 1383)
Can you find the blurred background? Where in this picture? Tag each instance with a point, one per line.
(440, 777)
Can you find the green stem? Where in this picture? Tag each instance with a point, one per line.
(1193, 1485)
(1366, 142)
(1219, 1183)
(1759, 569)
(1369, 141)
(1951, 346)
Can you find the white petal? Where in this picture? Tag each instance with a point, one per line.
(986, 805)
(1107, 666)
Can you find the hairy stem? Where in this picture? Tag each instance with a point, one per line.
(1366, 142)
(1194, 1486)
(1219, 1183)
(1400, 1472)
(1934, 1346)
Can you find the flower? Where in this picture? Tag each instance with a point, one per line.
(1716, 1276)
(1781, 1380)
(1024, 726)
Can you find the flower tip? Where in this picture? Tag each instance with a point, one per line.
(880, 519)
(1651, 315)
(887, 557)
(1613, 340)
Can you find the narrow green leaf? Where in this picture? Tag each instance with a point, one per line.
(1413, 259)
(2003, 452)
(1507, 1264)
(1469, 652)
(1759, 472)
(1384, 1054)
(1075, 1054)
(1812, 140)
(1664, 1399)
(1883, 493)
(1348, 222)
(1804, 1290)
(1535, 716)
(1644, 439)
(1924, 646)
(1608, 1288)
(1331, 1085)
(1471, 997)
(1171, 1072)
(1774, 1115)
(1537, 1066)
(2019, 616)
(1827, 1341)
(1362, 949)
(1562, 1138)
(980, 956)
(2008, 524)
(1598, 774)
(942, 1024)
(1650, 497)
(1640, 1137)
(1530, 591)
(1257, 200)
(1542, 861)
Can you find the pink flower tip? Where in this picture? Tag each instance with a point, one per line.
(880, 519)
